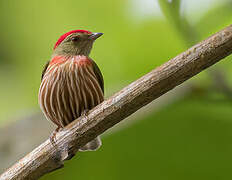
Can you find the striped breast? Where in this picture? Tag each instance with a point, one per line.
(68, 88)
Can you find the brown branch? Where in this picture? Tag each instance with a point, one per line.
(47, 158)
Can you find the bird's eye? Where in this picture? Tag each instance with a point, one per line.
(74, 39)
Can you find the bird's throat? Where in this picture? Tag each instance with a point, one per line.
(80, 60)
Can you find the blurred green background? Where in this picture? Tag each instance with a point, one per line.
(188, 138)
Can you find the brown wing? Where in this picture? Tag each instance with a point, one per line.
(98, 75)
(44, 69)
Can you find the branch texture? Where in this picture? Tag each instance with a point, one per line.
(47, 158)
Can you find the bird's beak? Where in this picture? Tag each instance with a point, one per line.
(94, 36)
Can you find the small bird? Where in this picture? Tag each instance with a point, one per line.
(71, 82)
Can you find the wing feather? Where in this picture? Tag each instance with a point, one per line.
(98, 75)
(44, 69)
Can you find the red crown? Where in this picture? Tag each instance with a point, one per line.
(67, 34)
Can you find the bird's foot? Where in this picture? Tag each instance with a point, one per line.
(85, 113)
(53, 136)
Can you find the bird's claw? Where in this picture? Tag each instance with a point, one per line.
(85, 113)
(53, 136)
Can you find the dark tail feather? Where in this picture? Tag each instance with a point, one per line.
(92, 145)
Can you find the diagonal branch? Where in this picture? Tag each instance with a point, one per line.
(47, 158)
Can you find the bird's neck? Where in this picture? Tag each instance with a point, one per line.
(70, 53)
(80, 60)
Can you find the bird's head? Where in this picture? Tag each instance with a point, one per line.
(76, 42)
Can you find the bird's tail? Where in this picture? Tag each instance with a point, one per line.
(92, 145)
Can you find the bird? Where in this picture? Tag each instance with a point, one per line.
(71, 82)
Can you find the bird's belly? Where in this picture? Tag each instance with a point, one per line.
(67, 91)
